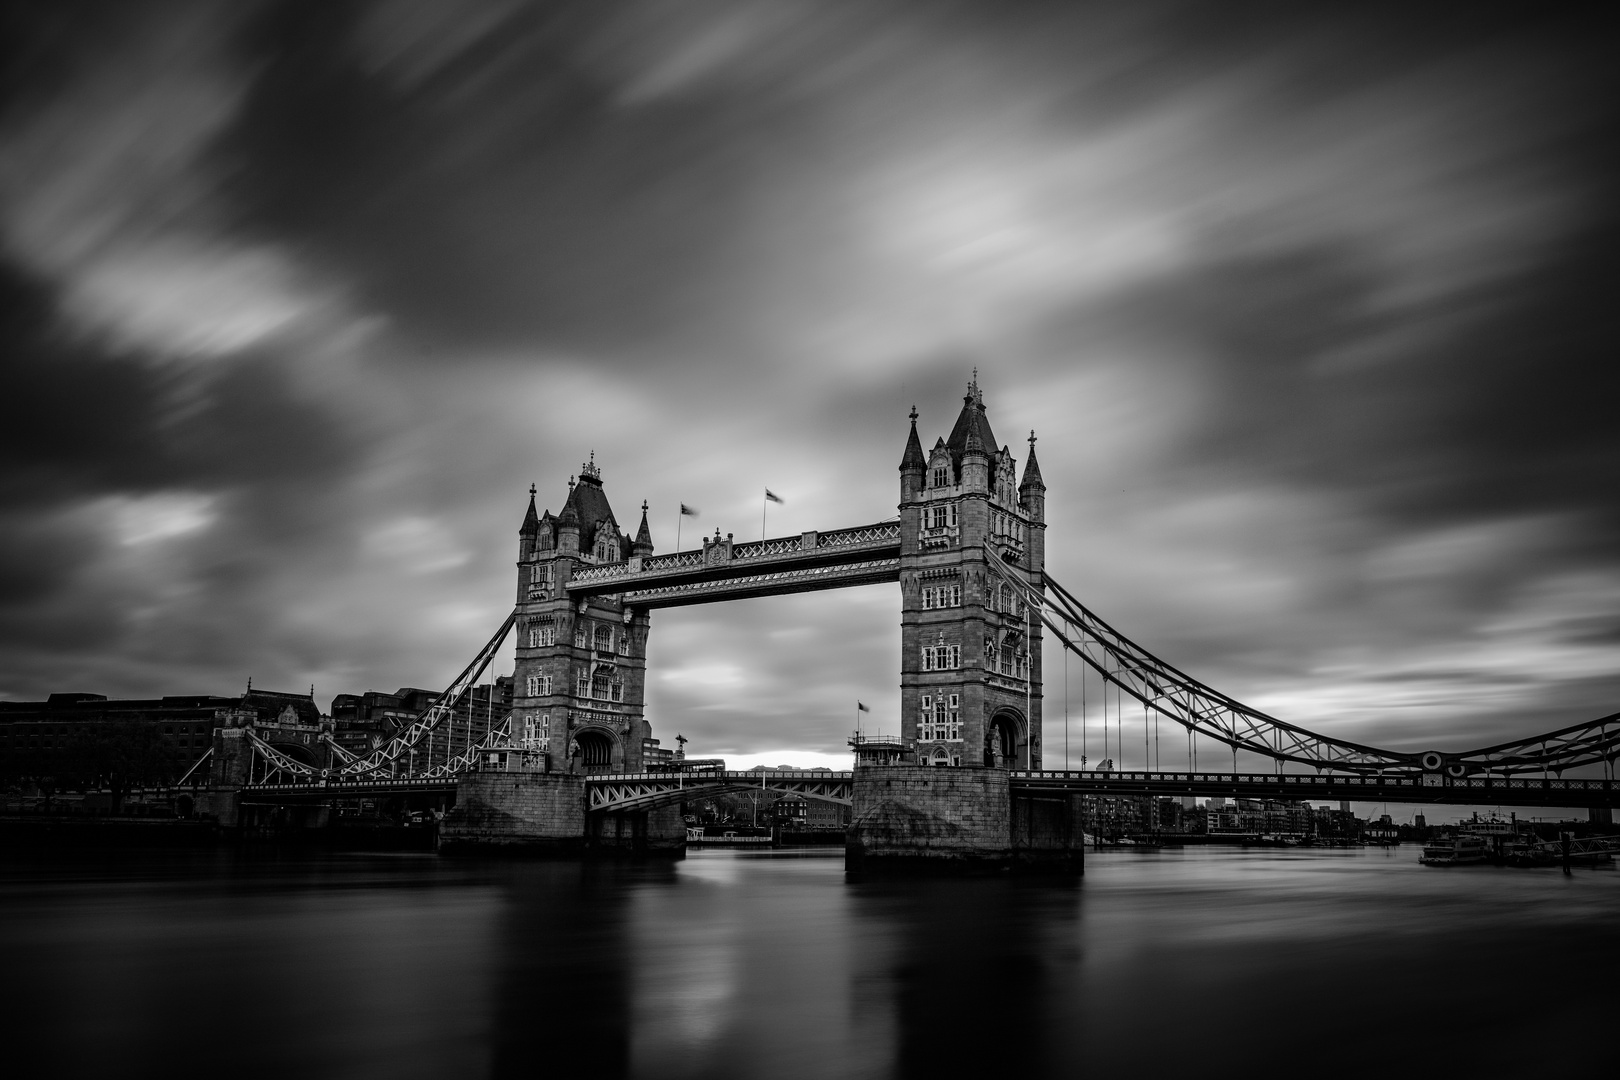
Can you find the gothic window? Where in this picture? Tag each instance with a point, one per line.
(624, 643)
(618, 690)
(941, 657)
(540, 574)
(607, 550)
(604, 638)
(539, 685)
(942, 476)
(940, 719)
(542, 635)
(579, 634)
(537, 731)
(599, 687)
(582, 685)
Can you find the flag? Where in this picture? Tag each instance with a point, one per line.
(688, 511)
(861, 706)
(773, 496)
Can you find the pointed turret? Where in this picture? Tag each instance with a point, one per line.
(913, 457)
(912, 463)
(642, 545)
(531, 520)
(1032, 469)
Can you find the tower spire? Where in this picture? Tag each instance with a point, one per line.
(1032, 468)
(913, 458)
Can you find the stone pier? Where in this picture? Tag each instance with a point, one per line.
(516, 812)
(923, 819)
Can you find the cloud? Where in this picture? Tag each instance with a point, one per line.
(1309, 315)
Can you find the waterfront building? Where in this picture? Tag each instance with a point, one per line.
(81, 740)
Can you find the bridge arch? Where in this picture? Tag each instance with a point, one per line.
(1006, 739)
(599, 749)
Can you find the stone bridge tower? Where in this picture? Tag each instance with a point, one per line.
(581, 667)
(970, 662)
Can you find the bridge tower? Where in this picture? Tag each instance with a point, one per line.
(580, 677)
(970, 662)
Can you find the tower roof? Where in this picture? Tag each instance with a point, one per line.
(913, 457)
(1032, 469)
(972, 421)
(587, 502)
(643, 539)
(531, 520)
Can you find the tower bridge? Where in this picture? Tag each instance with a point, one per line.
(574, 757)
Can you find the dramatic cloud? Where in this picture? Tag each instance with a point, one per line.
(1309, 309)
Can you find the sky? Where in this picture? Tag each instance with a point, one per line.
(1308, 307)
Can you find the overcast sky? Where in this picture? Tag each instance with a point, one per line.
(1308, 310)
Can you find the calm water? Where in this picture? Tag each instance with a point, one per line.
(771, 965)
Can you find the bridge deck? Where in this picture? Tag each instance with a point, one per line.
(1416, 788)
(864, 555)
(641, 790)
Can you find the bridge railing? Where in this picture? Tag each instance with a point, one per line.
(637, 571)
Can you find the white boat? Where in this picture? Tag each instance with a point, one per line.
(1458, 850)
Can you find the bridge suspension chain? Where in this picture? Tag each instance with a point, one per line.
(1201, 709)
(384, 759)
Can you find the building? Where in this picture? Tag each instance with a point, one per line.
(970, 667)
(1260, 817)
(364, 722)
(581, 670)
(798, 814)
(84, 741)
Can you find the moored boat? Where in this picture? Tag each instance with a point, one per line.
(1460, 849)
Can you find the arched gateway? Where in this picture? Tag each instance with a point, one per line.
(970, 678)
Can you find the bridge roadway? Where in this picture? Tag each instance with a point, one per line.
(642, 791)
(1390, 787)
(723, 570)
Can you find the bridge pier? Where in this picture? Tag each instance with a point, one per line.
(516, 812)
(922, 819)
(640, 832)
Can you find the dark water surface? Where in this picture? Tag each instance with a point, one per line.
(1204, 963)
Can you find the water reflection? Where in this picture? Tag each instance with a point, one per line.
(756, 964)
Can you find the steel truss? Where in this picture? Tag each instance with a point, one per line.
(648, 791)
(384, 760)
(1202, 710)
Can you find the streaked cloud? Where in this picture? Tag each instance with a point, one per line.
(1309, 309)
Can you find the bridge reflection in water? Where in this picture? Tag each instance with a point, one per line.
(771, 965)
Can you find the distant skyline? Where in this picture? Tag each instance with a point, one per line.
(1309, 308)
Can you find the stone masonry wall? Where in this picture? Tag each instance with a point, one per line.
(536, 811)
(957, 818)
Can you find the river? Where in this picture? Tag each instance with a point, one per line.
(1203, 962)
